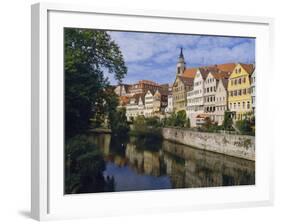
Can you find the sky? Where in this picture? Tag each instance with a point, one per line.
(153, 56)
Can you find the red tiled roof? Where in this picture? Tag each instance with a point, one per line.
(204, 70)
(189, 72)
(219, 75)
(228, 67)
(248, 67)
(124, 100)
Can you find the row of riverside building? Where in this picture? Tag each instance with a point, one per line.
(202, 92)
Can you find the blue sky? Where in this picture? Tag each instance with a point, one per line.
(154, 56)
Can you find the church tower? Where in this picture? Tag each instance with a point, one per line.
(180, 64)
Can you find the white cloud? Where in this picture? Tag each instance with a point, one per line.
(154, 56)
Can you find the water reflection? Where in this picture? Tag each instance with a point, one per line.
(146, 164)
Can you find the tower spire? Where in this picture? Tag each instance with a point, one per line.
(181, 54)
(181, 63)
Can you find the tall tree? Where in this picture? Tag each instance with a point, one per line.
(227, 121)
(88, 54)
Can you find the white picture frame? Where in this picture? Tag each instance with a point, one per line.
(48, 201)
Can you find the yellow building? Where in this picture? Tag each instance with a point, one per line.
(239, 90)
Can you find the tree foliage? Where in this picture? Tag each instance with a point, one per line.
(181, 118)
(146, 127)
(246, 126)
(177, 120)
(227, 121)
(88, 54)
(118, 122)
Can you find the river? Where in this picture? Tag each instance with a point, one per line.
(146, 164)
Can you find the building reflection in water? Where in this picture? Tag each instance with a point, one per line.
(138, 164)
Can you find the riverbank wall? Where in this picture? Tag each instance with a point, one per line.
(242, 146)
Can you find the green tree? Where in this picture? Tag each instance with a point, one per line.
(153, 121)
(172, 120)
(139, 123)
(177, 120)
(118, 122)
(181, 118)
(88, 54)
(245, 126)
(227, 121)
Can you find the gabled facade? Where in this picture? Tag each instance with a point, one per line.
(148, 108)
(210, 92)
(195, 98)
(135, 107)
(210, 86)
(160, 101)
(122, 90)
(169, 109)
(239, 90)
(180, 88)
(221, 97)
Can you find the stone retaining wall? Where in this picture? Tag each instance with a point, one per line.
(241, 146)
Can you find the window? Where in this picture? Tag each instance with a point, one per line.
(234, 105)
(235, 82)
(248, 105)
(239, 105)
(239, 81)
(243, 105)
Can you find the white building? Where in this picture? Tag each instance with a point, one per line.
(160, 101)
(169, 108)
(195, 97)
(210, 92)
(122, 90)
(148, 108)
(135, 107)
(221, 100)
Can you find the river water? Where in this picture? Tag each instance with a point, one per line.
(148, 164)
